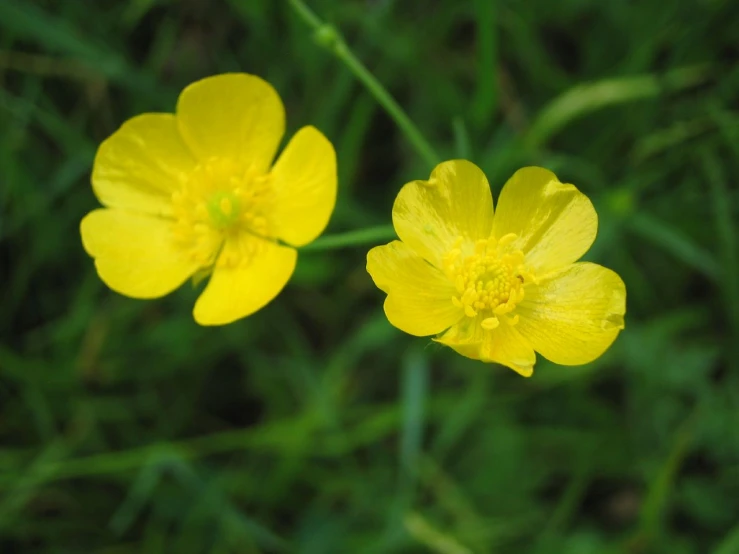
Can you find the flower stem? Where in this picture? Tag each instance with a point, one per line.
(330, 38)
(367, 235)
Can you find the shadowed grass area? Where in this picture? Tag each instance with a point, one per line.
(314, 426)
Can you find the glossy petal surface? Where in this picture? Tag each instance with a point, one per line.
(235, 116)
(574, 316)
(237, 289)
(503, 345)
(304, 184)
(555, 223)
(456, 201)
(134, 253)
(419, 299)
(140, 165)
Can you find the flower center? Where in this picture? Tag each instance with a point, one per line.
(489, 281)
(220, 198)
(224, 209)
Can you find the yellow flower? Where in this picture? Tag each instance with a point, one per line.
(499, 287)
(195, 193)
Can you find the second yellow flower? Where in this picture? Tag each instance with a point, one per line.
(499, 286)
(195, 193)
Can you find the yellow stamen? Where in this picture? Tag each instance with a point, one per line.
(505, 240)
(220, 198)
(489, 283)
(490, 323)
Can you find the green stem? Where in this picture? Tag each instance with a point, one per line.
(483, 103)
(328, 37)
(368, 235)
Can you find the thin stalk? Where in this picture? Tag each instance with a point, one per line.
(330, 38)
(368, 235)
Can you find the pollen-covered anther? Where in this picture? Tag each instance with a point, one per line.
(505, 240)
(241, 254)
(512, 320)
(489, 281)
(490, 323)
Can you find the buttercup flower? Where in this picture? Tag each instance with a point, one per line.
(499, 287)
(195, 193)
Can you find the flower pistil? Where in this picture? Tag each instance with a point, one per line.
(221, 198)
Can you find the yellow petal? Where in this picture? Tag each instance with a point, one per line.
(574, 316)
(419, 299)
(555, 223)
(503, 345)
(134, 253)
(456, 201)
(304, 183)
(249, 273)
(141, 164)
(235, 116)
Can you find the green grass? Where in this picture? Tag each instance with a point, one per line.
(314, 426)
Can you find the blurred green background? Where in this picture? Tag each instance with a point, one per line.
(314, 426)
